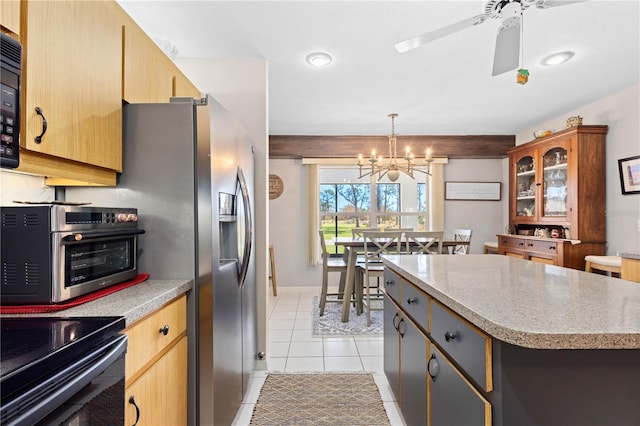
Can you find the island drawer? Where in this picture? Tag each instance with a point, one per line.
(154, 334)
(392, 284)
(542, 246)
(414, 302)
(469, 347)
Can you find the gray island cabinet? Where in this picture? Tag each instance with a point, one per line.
(494, 340)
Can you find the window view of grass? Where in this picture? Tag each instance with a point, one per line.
(346, 203)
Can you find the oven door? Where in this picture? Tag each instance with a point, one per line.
(87, 391)
(90, 260)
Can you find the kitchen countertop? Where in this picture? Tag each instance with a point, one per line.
(133, 303)
(630, 255)
(530, 304)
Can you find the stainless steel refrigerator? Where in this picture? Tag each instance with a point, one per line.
(188, 168)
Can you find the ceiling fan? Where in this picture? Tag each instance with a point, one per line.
(507, 51)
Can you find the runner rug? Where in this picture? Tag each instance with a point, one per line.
(320, 399)
(330, 324)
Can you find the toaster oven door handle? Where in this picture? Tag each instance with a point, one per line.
(92, 235)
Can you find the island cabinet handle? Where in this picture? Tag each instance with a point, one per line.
(395, 317)
(412, 300)
(133, 401)
(448, 335)
(402, 333)
(164, 330)
(520, 244)
(433, 368)
(389, 282)
(552, 247)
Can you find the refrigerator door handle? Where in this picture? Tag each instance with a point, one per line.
(244, 219)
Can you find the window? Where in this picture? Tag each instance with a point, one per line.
(345, 203)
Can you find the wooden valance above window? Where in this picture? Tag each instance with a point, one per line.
(482, 146)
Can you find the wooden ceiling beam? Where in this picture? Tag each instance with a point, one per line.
(297, 147)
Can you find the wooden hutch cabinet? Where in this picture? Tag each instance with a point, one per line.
(557, 198)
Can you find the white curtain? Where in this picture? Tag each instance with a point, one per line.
(436, 197)
(313, 209)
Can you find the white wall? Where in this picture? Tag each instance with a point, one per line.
(621, 112)
(16, 186)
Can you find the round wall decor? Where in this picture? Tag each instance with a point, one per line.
(275, 186)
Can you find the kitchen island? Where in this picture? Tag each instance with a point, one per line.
(482, 339)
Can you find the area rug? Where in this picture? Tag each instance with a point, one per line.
(319, 399)
(330, 324)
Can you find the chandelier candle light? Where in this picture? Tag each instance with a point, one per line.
(394, 165)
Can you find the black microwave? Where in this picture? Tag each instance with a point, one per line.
(10, 72)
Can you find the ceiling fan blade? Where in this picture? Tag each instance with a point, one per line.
(545, 4)
(412, 43)
(507, 53)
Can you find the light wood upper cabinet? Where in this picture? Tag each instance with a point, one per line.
(72, 73)
(183, 87)
(146, 77)
(10, 15)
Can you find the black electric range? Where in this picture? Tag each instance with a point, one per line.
(45, 362)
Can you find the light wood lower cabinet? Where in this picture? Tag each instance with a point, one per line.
(156, 367)
(159, 396)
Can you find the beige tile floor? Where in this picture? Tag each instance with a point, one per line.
(292, 348)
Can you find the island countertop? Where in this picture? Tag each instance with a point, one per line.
(530, 304)
(132, 303)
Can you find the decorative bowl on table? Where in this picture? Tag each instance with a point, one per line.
(542, 133)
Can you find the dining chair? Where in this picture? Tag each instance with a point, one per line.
(462, 235)
(357, 232)
(376, 243)
(329, 264)
(424, 242)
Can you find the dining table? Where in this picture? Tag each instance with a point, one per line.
(354, 245)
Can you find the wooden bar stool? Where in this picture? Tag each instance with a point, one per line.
(609, 264)
(272, 276)
(491, 247)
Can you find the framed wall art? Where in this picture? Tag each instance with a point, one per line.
(630, 175)
(482, 191)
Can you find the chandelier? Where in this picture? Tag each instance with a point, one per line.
(394, 165)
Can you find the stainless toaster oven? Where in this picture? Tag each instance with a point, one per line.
(52, 253)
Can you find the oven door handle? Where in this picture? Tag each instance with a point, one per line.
(52, 393)
(92, 235)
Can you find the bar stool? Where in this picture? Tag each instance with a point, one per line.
(609, 264)
(491, 247)
(272, 276)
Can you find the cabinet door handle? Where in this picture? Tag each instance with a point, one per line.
(530, 245)
(38, 138)
(449, 336)
(395, 317)
(552, 247)
(412, 300)
(133, 401)
(433, 368)
(389, 282)
(521, 244)
(164, 330)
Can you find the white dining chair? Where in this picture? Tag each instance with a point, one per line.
(462, 235)
(376, 243)
(357, 232)
(423, 242)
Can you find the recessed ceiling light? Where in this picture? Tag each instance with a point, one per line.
(319, 59)
(557, 58)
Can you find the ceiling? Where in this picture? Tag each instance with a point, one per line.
(442, 88)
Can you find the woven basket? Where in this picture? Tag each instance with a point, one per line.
(574, 121)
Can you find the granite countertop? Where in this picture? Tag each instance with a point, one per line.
(530, 304)
(630, 255)
(133, 303)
